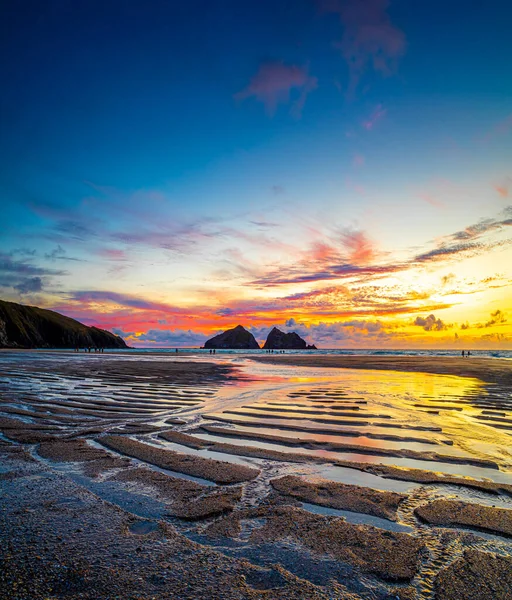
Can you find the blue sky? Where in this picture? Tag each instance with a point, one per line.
(149, 142)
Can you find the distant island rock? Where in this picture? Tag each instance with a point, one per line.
(237, 338)
(31, 327)
(278, 340)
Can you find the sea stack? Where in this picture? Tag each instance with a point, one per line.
(237, 338)
(278, 340)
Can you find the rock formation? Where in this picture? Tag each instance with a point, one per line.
(32, 327)
(278, 340)
(237, 338)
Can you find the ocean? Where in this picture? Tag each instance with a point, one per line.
(335, 351)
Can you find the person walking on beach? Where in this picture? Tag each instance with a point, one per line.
(463, 354)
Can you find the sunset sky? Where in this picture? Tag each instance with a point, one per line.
(339, 168)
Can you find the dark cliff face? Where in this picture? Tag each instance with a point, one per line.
(32, 327)
(278, 340)
(237, 338)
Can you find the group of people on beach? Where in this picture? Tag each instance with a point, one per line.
(89, 349)
(212, 350)
(466, 354)
(271, 351)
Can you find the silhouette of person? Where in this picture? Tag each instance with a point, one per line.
(463, 354)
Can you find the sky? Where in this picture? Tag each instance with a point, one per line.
(338, 168)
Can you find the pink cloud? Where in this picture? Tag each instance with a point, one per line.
(361, 250)
(374, 118)
(358, 160)
(359, 189)
(504, 188)
(432, 200)
(501, 128)
(273, 84)
(370, 40)
(112, 254)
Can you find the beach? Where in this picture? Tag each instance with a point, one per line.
(494, 370)
(149, 475)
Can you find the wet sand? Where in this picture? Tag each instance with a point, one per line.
(238, 478)
(490, 370)
(338, 495)
(453, 513)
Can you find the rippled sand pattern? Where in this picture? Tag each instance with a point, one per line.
(348, 480)
(414, 418)
(73, 396)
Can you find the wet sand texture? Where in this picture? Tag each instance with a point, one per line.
(489, 370)
(385, 471)
(341, 496)
(463, 514)
(57, 540)
(420, 476)
(96, 460)
(476, 576)
(189, 500)
(389, 555)
(340, 447)
(197, 466)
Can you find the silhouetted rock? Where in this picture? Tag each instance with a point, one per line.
(311, 347)
(278, 340)
(237, 338)
(32, 327)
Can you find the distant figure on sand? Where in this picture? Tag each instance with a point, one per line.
(463, 354)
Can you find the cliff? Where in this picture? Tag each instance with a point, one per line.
(32, 327)
(278, 340)
(237, 338)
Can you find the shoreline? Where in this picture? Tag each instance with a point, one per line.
(489, 370)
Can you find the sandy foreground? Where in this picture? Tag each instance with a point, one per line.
(152, 477)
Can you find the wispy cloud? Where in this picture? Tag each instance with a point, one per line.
(498, 317)
(278, 190)
(358, 161)
(431, 199)
(273, 84)
(123, 300)
(370, 41)
(503, 127)
(24, 275)
(359, 247)
(59, 253)
(351, 255)
(375, 116)
(112, 254)
(479, 229)
(504, 188)
(29, 285)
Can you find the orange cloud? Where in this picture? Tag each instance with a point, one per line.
(504, 188)
(361, 250)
